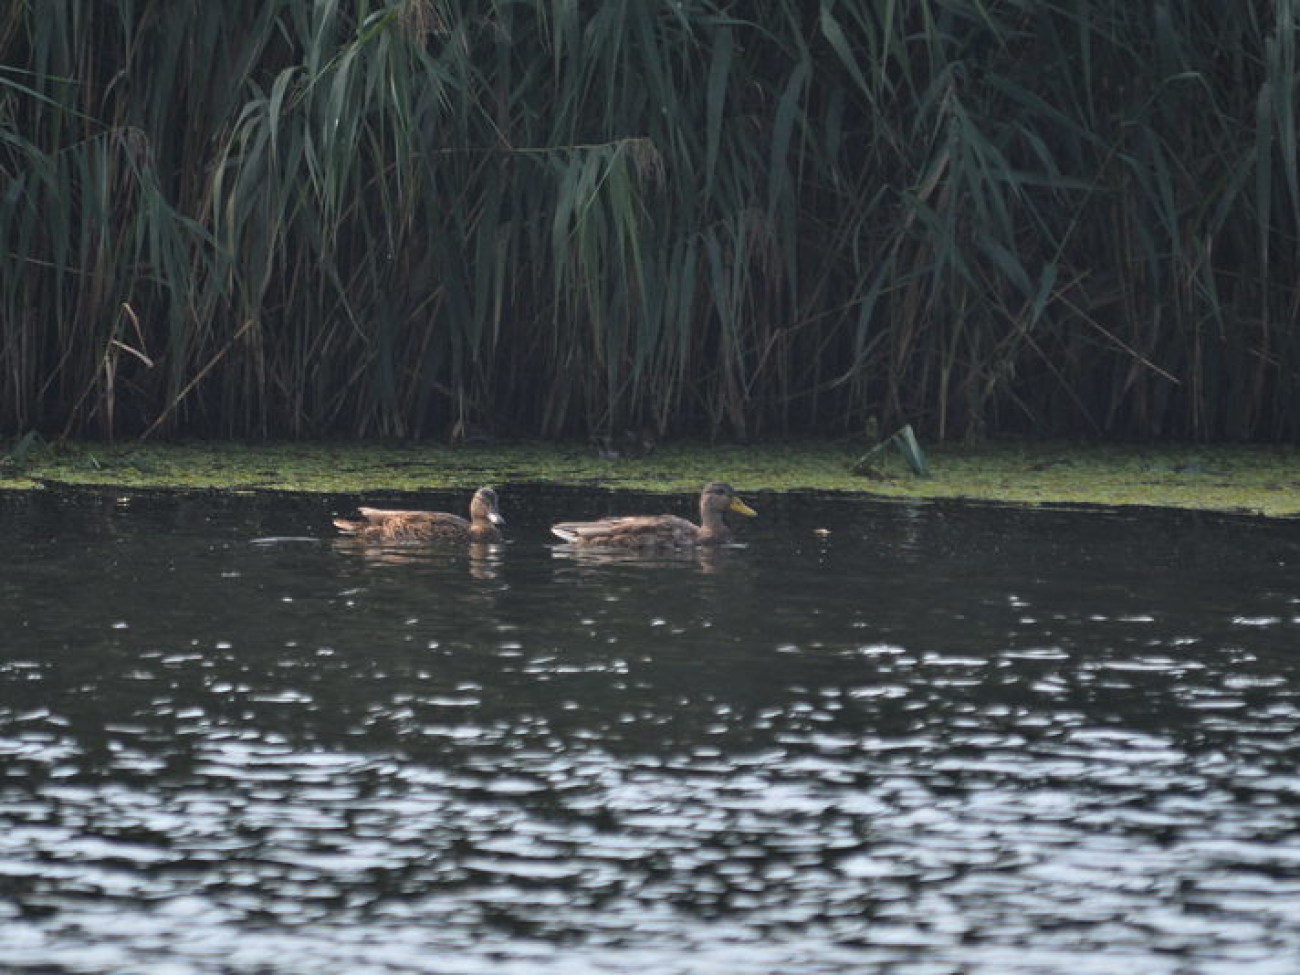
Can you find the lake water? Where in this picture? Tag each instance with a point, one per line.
(937, 739)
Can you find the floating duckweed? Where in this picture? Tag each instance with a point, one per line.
(1254, 479)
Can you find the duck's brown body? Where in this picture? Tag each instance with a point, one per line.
(394, 527)
(660, 531)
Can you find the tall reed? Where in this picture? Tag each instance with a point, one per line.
(423, 217)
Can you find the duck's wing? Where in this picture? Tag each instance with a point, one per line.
(632, 530)
(392, 524)
(377, 516)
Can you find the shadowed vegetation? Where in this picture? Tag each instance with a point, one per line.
(424, 218)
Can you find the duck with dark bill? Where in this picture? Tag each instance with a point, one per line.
(388, 526)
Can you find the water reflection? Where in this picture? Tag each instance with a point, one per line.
(934, 739)
(481, 560)
(705, 558)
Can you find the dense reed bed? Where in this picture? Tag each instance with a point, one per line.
(565, 217)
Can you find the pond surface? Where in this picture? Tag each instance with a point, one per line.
(935, 740)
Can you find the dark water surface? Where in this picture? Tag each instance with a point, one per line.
(936, 740)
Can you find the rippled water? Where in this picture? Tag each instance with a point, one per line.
(936, 739)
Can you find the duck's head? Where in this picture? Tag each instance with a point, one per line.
(484, 507)
(720, 497)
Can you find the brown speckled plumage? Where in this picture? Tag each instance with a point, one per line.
(660, 531)
(388, 526)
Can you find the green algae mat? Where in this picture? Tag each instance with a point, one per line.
(1250, 479)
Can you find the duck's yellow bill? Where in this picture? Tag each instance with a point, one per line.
(740, 508)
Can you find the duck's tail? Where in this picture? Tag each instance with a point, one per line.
(349, 527)
(567, 530)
